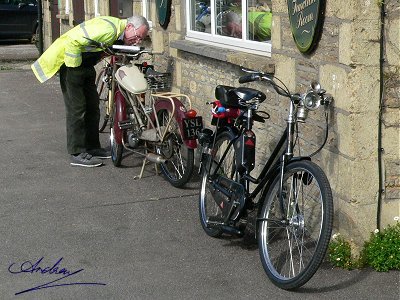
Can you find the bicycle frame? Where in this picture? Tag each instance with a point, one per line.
(277, 161)
(281, 156)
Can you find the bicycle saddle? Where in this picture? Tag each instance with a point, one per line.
(240, 97)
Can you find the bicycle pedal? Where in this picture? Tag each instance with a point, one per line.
(232, 230)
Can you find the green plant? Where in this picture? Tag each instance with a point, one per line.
(382, 251)
(339, 253)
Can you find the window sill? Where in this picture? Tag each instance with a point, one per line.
(247, 60)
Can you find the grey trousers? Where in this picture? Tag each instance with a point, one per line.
(82, 108)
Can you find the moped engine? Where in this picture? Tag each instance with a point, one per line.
(133, 140)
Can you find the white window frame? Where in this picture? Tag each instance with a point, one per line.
(67, 7)
(261, 48)
(96, 8)
(146, 11)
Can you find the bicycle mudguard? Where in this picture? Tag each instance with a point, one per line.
(120, 115)
(180, 109)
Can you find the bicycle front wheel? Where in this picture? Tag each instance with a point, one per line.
(209, 209)
(102, 90)
(295, 225)
(178, 168)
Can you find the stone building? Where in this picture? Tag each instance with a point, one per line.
(356, 59)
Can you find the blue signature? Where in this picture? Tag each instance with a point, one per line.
(29, 267)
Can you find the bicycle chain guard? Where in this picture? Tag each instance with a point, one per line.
(229, 196)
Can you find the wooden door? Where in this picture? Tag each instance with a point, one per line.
(79, 11)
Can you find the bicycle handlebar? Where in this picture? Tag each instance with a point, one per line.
(283, 90)
(249, 78)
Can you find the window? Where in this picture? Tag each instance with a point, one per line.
(238, 24)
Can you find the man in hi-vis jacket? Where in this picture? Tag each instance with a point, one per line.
(74, 57)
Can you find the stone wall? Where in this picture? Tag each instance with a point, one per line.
(391, 112)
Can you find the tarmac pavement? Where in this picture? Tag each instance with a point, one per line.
(113, 237)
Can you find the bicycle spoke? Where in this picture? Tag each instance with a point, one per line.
(176, 168)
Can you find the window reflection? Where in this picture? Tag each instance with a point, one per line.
(229, 19)
(259, 20)
(202, 14)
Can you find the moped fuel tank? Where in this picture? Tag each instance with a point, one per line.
(131, 79)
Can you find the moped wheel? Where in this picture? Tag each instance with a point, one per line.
(102, 90)
(178, 168)
(210, 212)
(117, 147)
(294, 233)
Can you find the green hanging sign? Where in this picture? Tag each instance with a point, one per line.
(164, 12)
(306, 21)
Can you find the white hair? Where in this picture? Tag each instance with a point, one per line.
(138, 21)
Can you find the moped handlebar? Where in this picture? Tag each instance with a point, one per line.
(123, 50)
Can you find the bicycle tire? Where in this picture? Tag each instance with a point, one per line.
(293, 238)
(208, 208)
(178, 168)
(117, 148)
(102, 91)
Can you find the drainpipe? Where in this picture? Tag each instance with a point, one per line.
(381, 106)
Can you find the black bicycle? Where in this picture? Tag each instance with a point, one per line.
(295, 207)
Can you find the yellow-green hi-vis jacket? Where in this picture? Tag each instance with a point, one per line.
(67, 49)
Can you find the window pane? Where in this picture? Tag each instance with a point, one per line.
(229, 20)
(259, 20)
(201, 16)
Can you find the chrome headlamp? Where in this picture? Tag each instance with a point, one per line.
(309, 101)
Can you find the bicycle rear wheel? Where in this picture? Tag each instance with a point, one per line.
(178, 168)
(102, 90)
(210, 212)
(294, 233)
